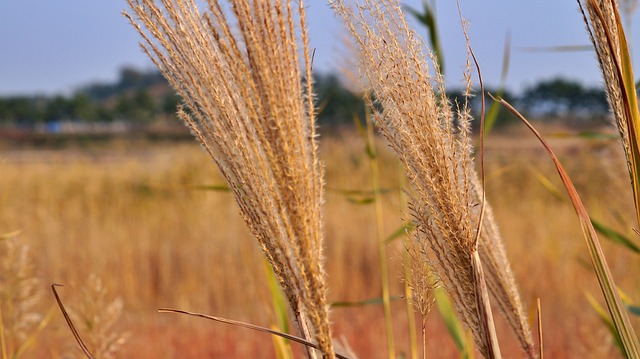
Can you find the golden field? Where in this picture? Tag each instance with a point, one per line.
(134, 214)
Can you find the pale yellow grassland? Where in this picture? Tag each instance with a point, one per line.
(128, 216)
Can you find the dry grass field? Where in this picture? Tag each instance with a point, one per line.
(132, 215)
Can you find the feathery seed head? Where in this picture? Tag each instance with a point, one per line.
(433, 142)
(239, 73)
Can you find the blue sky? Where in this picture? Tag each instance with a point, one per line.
(56, 46)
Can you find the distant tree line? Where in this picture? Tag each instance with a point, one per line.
(137, 96)
(145, 96)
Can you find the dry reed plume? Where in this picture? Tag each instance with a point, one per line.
(608, 38)
(245, 102)
(433, 142)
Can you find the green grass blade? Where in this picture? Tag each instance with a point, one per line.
(615, 236)
(494, 110)
(280, 308)
(428, 18)
(360, 193)
(400, 232)
(592, 135)
(443, 303)
(616, 308)
(362, 303)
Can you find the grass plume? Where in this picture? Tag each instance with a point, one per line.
(239, 72)
(433, 141)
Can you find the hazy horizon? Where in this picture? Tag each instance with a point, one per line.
(57, 47)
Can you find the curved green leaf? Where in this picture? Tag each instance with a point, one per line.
(400, 232)
(451, 321)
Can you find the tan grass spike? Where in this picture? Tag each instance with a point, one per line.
(240, 71)
(433, 141)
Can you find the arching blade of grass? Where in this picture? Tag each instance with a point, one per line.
(363, 131)
(370, 141)
(591, 135)
(217, 188)
(67, 318)
(630, 101)
(248, 326)
(616, 308)
(361, 197)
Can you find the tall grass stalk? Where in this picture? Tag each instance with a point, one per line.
(406, 264)
(380, 238)
(240, 79)
(433, 142)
